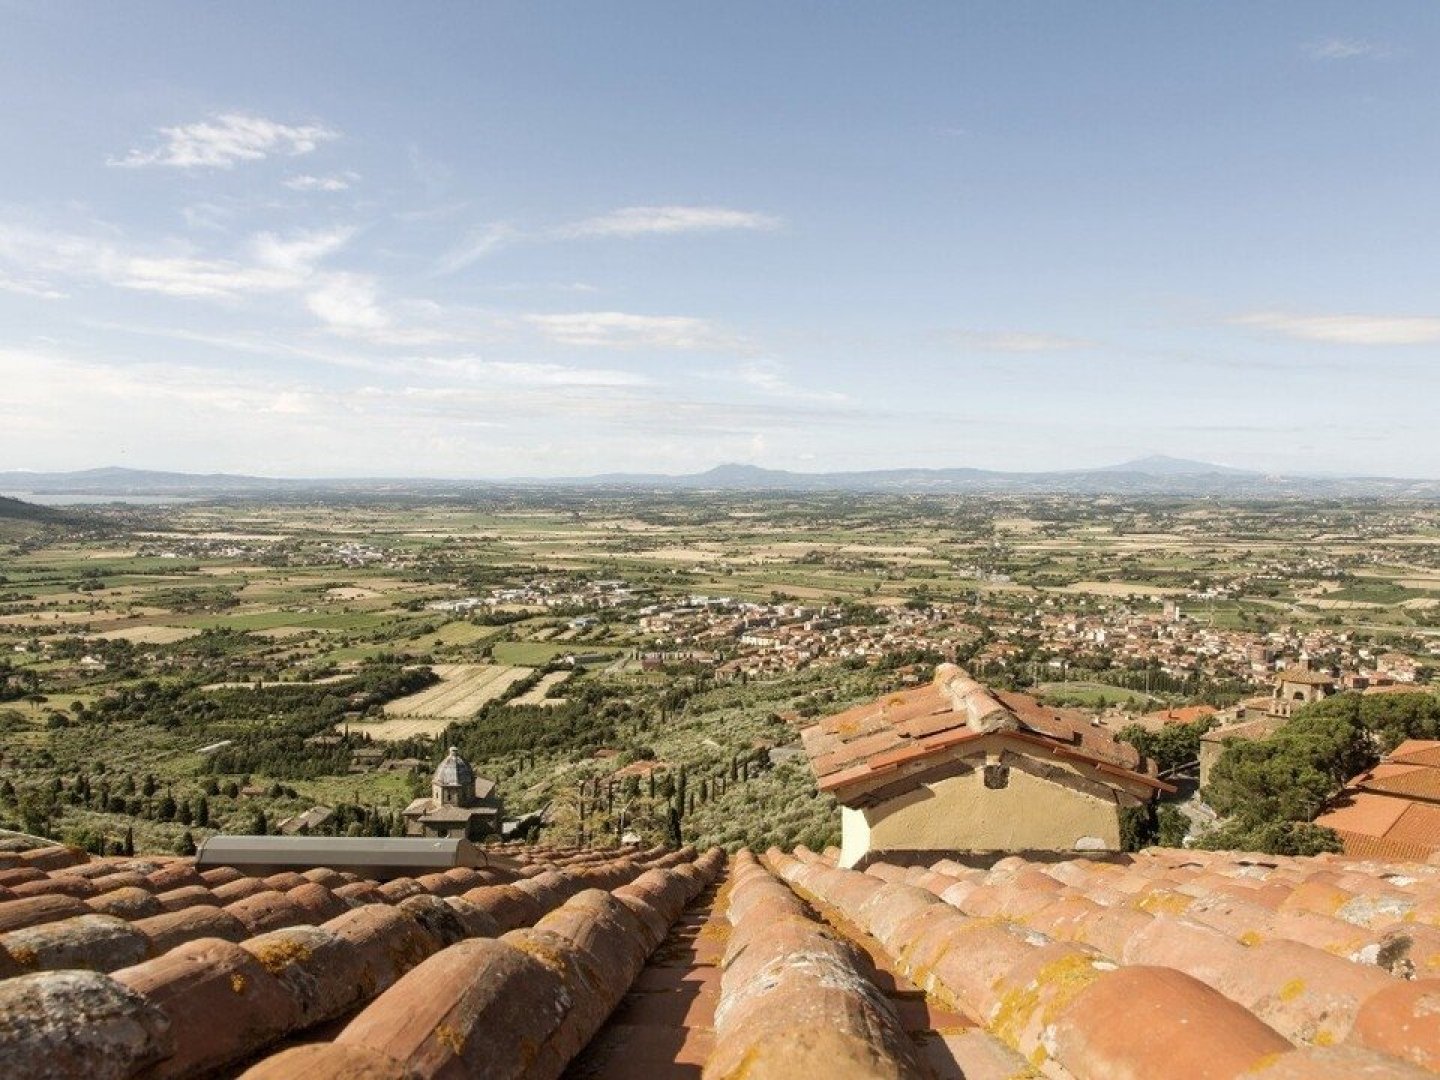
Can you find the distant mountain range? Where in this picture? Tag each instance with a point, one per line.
(1149, 476)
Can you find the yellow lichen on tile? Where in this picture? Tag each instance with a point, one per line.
(276, 955)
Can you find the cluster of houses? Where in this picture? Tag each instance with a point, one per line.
(546, 592)
(752, 639)
(742, 638)
(1180, 645)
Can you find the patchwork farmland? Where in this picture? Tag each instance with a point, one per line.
(462, 689)
(539, 694)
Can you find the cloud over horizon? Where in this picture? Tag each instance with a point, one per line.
(1347, 329)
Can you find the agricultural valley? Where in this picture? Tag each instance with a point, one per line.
(627, 664)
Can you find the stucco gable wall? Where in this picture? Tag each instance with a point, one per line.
(959, 813)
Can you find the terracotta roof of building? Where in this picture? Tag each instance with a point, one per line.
(901, 729)
(1408, 781)
(1305, 676)
(1416, 752)
(1393, 809)
(456, 814)
(1184, 714)
(1260, 728)
(1181, 714)
(620, 964)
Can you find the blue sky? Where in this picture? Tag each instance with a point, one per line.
(550, 239)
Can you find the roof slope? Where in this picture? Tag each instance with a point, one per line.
(864, 742)
(1303, 676)
(1221, 964)
(1392, 810)
(116, 968)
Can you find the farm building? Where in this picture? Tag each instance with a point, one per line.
(953, 767)
(460, 803)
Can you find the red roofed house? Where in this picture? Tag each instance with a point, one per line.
(952, 766)
(1393, 810)
(1184, 714)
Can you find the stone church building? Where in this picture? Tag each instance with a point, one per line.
(461, 804)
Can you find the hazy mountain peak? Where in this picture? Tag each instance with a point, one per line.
(1165, 465)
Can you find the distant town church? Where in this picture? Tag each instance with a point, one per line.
(461, 804)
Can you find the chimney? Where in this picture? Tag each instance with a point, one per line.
(982, 712)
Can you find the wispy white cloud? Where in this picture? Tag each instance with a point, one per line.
(269, 264)
(668, 221)
(623, 330)
(333, 182)
(626, 223)
(1345, 49)
(347, 302)
(476, 246)
(483, 373)
(276, 264)
(297, 253)
(1347, 329)
(771, 377)
(1019, 342)
(223, 140)
(40, 290)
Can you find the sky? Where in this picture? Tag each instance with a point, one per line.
(549, 239)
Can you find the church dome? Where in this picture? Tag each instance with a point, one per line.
(455, 771)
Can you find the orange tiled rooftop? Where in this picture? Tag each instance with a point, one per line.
(1393, 810)
(613, 964)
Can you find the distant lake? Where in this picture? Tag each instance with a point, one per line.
(69, 498)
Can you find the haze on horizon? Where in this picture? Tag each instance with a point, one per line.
(564, 239)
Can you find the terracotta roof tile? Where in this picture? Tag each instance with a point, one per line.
(1220, 963)
(1173, 1025)
(865, 742)
(1417, 752)
(78, 1023)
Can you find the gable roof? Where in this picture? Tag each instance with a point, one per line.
(1305, 676)
(862, 743)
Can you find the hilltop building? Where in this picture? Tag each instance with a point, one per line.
(1299, 685)
(461, 804)
(955, 767)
